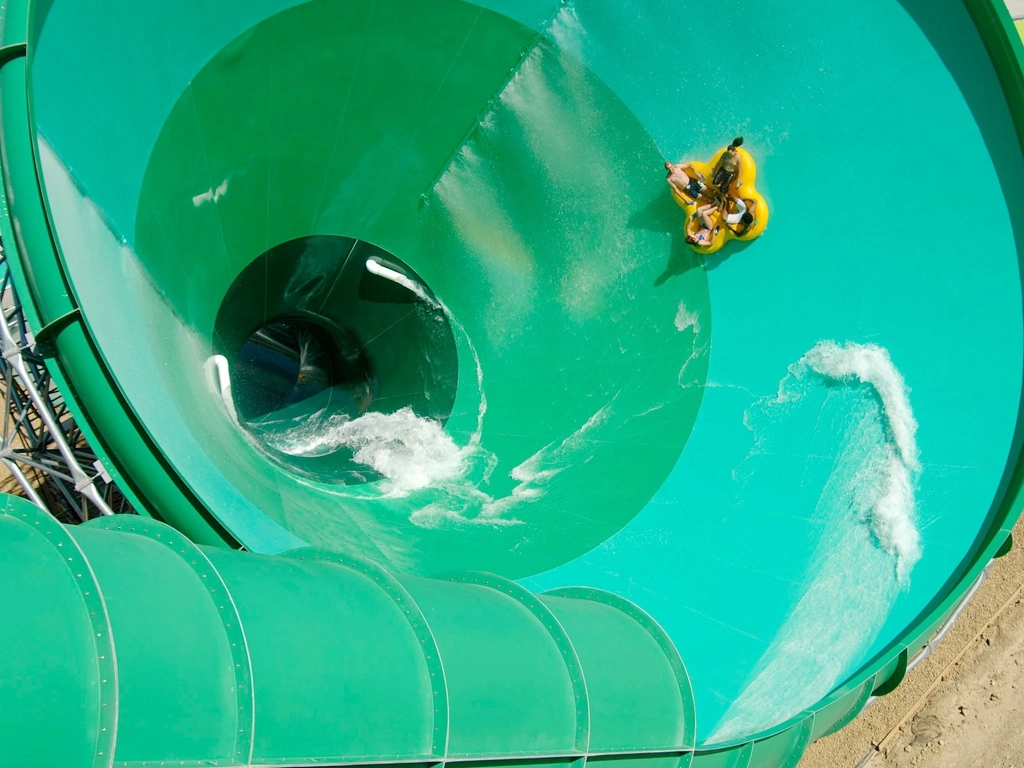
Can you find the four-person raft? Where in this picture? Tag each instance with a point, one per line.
(720, 198)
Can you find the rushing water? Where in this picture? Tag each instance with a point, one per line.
(868, 542)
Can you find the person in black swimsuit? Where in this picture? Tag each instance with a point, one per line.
(728, 167)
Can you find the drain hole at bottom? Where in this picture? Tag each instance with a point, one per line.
(321, 331)
(290, 368)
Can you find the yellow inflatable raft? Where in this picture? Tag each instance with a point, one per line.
(742, 189)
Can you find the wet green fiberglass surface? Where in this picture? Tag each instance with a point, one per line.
(404, 279)
(562, 376)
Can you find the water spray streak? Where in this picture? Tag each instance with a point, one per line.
(869, 542)
(883, 492)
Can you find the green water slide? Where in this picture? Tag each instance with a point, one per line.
(445, 446)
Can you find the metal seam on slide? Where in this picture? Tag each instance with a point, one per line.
(227, 610)
(541, 34)
(742, 753)
(789, 724)
(410, 609)
(571, 659)
(802, 732)
(89, 589)
(658, 634)
(860, 700)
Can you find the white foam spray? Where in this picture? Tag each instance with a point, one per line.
(471, 505)
(196, 382)
(687, 318)
(869, 542)
(410, 451)
(846, 597)
(595, 244)
(546, 463)
(418, 459)
(416, 454)
(871, 364)
(211, 195)
(883, 495)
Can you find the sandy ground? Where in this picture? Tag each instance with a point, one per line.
(961, 707)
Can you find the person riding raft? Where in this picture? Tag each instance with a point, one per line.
(719, 198)
(728, 167)
(687, 181)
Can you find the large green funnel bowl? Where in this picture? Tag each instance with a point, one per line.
(402, 280)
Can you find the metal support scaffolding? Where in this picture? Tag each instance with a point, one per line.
(43, 449)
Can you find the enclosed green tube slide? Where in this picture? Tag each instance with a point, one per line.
(393, 296)
(170, 651)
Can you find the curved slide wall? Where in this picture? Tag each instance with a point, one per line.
(402, 282)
